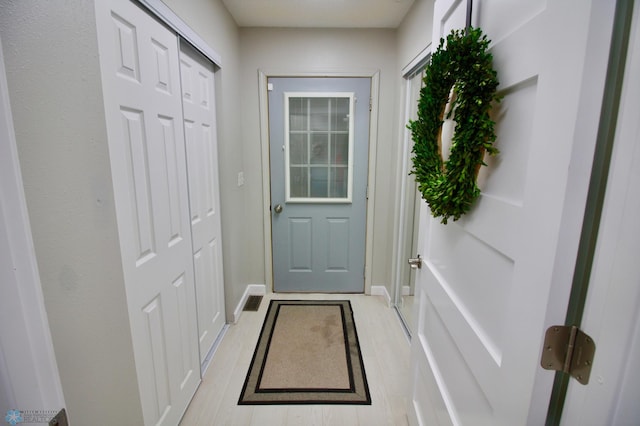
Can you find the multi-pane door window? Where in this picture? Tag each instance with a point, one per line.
(319, 147)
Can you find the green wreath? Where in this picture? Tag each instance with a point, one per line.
(466, 67)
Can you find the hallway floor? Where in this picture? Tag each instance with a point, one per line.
(385, 350)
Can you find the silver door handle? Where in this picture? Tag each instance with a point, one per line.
(278, 208)
(415, 262)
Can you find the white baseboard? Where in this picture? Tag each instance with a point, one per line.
(380, 290)
(252, 289)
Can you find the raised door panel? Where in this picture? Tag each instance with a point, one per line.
(337, 247)
(216, 317)
(140, 72)
(300, 244)
(157, 395)
(135, 140)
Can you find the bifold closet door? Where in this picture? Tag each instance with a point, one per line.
(197, 76)
(143, 106)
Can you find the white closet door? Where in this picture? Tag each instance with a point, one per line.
(143, 107)
(202, 159)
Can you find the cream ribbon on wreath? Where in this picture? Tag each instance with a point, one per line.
(448, 127)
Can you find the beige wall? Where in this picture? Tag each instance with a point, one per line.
(51, 59)
(211, 21)
(310, 51)
(246, 50)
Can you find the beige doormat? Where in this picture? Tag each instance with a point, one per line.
(307, 353)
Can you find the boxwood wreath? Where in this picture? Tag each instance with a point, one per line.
(463, 69)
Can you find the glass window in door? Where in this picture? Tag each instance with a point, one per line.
(319, 147)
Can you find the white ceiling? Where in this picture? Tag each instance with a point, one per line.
(319, 13)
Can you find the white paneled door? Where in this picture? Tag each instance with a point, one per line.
(143, 106)
(483, 292)
(202, 159)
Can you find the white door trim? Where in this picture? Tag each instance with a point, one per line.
(612, 306)
(29, 369)
(403, 167)
(266, 175)
(416, 62)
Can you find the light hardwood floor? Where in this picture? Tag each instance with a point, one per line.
(385, 350)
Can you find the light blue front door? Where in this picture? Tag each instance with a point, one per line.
(319, 146)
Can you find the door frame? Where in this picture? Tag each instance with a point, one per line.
(599, 199)
(403, 167)
(263, 98)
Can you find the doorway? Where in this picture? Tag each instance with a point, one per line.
(408, 201)
(319, 148)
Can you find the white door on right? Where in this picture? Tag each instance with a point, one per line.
(483, 292)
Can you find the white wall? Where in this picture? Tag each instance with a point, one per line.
(318, 50)
(25, 336)
(211, 21)
(54, 83)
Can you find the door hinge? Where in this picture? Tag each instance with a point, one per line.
(370, 104)
(566, 348)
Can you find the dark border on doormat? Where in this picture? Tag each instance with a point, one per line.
(358, 391)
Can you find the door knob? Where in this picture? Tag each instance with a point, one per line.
(415, 262)
(278, 208)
